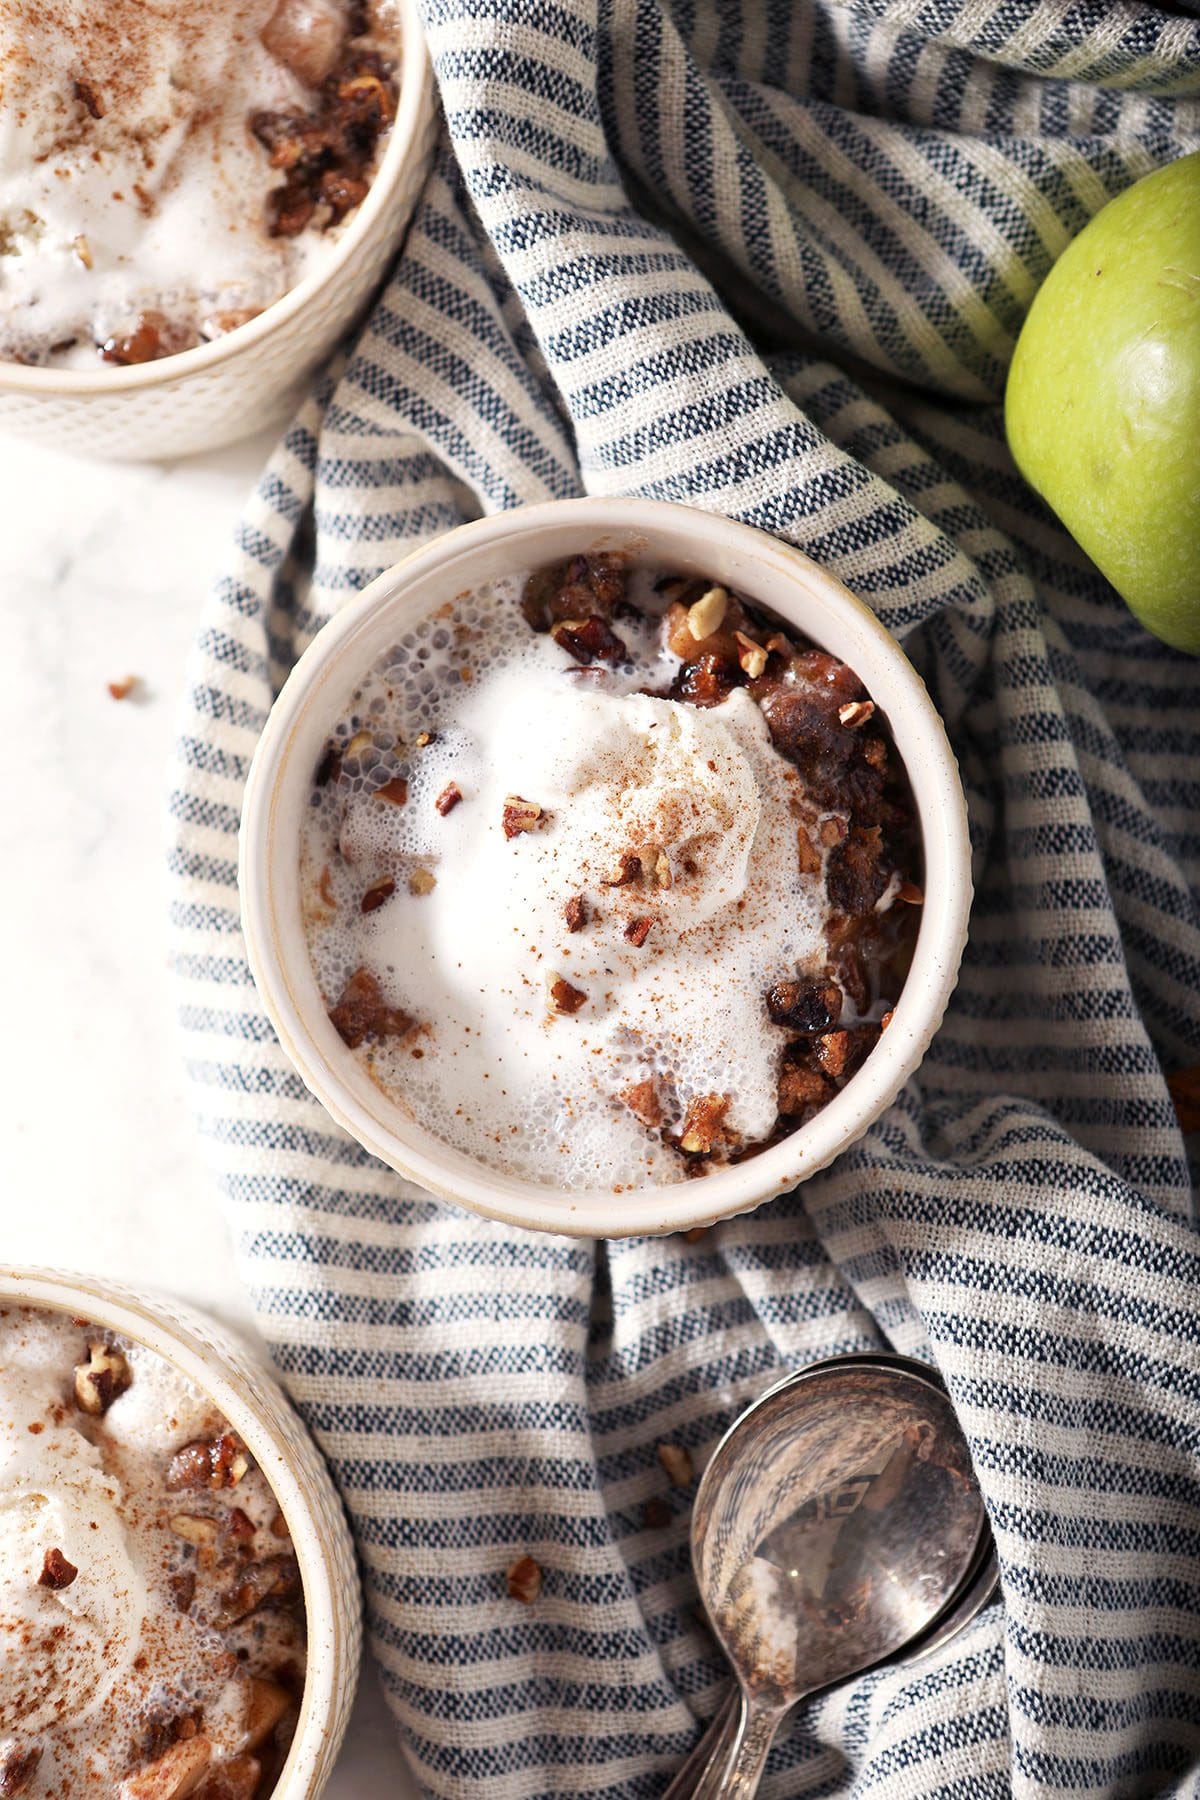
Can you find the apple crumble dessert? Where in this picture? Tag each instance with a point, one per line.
(168, 172)
(151, 1616)
(608, 879)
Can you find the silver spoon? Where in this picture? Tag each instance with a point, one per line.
(712, 1752)
(837, 1524)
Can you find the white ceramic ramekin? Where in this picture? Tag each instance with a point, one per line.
(254, 1404)
(656, 533)
(255, 376)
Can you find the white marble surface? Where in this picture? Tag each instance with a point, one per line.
(102, 572)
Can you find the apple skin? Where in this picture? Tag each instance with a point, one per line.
(1102, 407)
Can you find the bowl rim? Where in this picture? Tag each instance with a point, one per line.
(416, 87)
(142, 1318)
(403, 1144)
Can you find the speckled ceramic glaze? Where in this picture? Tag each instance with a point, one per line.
(255, 376)
(255, 1406)
(694, 543)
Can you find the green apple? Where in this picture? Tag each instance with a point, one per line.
(1102, 407)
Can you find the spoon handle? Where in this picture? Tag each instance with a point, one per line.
(747, 1758)
(709, 1754)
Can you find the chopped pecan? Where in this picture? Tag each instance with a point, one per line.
(629, 868)
(704, 1126)
(449, 798)
(57, 1572)
(275, 1580)
(707, 614)
(395, 791)
(101, 1379)
(563, 997)
(832, 1051)
(524, 1580)
(239, 1526)
(218, 1462)
(804, 1005)
(377, 894)
(663, 876)
(121, 690)
(637, 931)
(575, 912)
(751, 656)
(17, 1769)
(854, 713)
(200, 1532)
(801, 1089)
(421, 882)
(361, 1011)
(677, 1462)
(589, 640)
(643, 1102)
(520, 815)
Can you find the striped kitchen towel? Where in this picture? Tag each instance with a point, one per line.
(769, 257)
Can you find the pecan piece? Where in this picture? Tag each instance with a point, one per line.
(377, 894)
(524, 1580)
(361, 1011)
(101, 1379)
(855, 713)
(637, 931)
(804, 1005)
(801, 1089)
(809, 855)
(589, 640)
(276, 1580)
(218, 1462)
(395, 791)
(422, 882)
(707, 614)
(520, 815)
(629, 868)
(563, 997)
(677, 1462)
(57, 1572)
(575, 912)
(121, 690)
(449, 798)
(704, 1126)
(643, 1102)
(751, 656)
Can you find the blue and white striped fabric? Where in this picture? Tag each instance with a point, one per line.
(770, 257)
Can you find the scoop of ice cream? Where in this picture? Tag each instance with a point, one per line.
(66, 1640)
(128, 178)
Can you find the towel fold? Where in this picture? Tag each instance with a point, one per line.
(768, 257)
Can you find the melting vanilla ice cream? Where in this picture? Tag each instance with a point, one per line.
(63, 1650)
(130, 181)
(669, 826)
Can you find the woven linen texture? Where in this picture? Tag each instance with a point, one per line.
(769, 259)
